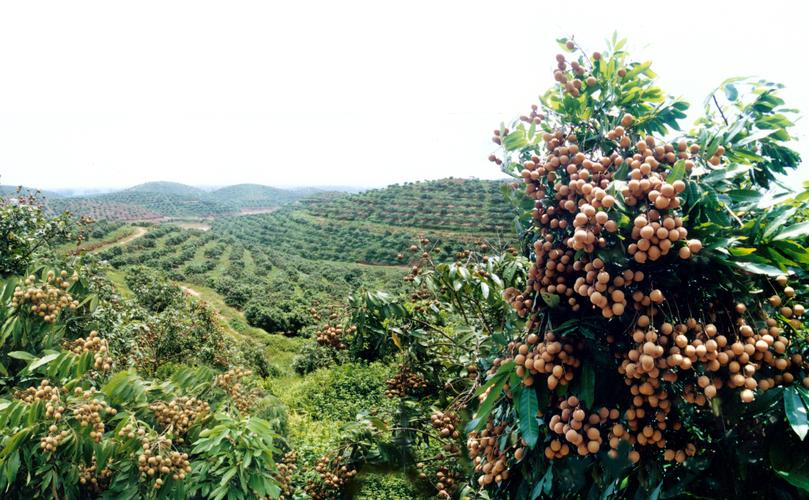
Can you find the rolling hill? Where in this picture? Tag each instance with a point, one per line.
(163, 187)
(255, 196)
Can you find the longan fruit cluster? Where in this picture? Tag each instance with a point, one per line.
(577, 429)
(533, 116)
(552, 357)
(333, 477)
(91, 478)
(179, 414)
(88, 412)
(53, 439)
(787, 306)
(604, 290)
(573, 194)
(332, 335)
(518, 301)
(446, 481)
(572, 84)
(45, 392)
(47, 299)
(286, 468)
(232, 383)
(497, 138)
(132, 431)
(93, 343)
(406, 382)
(446, 423)
(484, 450)
(159, 461)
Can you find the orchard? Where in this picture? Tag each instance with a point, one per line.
(640, 334)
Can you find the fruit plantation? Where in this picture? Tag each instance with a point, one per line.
(641, 333)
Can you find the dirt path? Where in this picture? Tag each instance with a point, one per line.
(139, 231)
(190, 291)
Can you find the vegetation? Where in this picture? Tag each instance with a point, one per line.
(89, 414)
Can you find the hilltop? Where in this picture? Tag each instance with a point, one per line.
(253, 196)
(164, 187)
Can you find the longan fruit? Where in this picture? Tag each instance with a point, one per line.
(747, 396)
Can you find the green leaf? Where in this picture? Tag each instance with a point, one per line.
(527, 411)
(795, 231)
(796, 412)
(730, 92)
(550, 298)
(22, 355)
(42, 361)
(756, 268)
(677, 172)
(741, 251)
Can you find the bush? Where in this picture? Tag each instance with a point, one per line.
(151, 289)
(341, 392)
(390, 485)
(314, 356)
(271, 409)
(278, 315)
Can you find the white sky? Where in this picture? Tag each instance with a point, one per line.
(112, 94)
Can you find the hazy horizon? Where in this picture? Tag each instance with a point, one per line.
(316, 93)
(82, 191)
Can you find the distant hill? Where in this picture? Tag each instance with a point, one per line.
(252, 196)
(12, 190)
(156, 200)
(163, 187)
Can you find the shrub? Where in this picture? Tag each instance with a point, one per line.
(314, 356)
(385, 484)
(341, 392)
(661, 343)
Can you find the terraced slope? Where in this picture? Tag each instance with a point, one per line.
(461, 205)
(102, 209)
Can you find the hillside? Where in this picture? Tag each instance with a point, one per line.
(102, 210)
(463, 205)
(166, 204)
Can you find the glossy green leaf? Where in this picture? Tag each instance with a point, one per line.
(795, 411)
(527, 411)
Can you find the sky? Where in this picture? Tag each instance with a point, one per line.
(111, 94)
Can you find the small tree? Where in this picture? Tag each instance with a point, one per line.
(663, 347)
